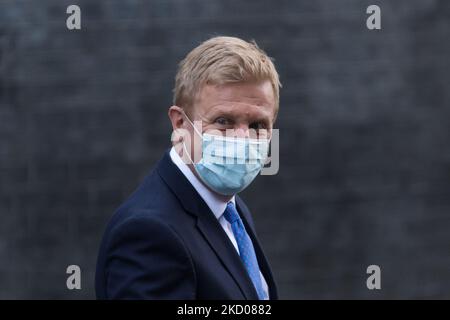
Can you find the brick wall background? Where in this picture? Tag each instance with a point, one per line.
(364, 124)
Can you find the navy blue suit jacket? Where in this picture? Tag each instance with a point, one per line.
(165, 243)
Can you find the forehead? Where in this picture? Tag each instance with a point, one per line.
(255, 98)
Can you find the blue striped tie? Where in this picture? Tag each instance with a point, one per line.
(246, 250)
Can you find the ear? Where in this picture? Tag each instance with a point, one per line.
(175, 114)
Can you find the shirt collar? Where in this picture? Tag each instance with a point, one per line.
(211, 199)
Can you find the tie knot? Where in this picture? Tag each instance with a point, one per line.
(231, 213)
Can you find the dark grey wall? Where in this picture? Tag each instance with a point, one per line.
(364, 125)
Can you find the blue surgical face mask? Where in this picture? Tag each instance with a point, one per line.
(229, 164)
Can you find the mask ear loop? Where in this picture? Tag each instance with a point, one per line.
(192, 124)
(196, 131)
(187, 153)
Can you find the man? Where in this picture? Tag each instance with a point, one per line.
(185, 233)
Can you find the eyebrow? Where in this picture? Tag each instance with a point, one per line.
(230, 114)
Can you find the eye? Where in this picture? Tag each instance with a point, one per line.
(258, 125)
(222, 121)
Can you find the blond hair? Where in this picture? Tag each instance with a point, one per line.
(222, 60)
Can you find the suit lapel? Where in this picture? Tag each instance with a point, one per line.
(207, 224)
(224, 249)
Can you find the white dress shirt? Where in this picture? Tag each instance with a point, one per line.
(214, 203)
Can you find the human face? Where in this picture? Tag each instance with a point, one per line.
(236, 109)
